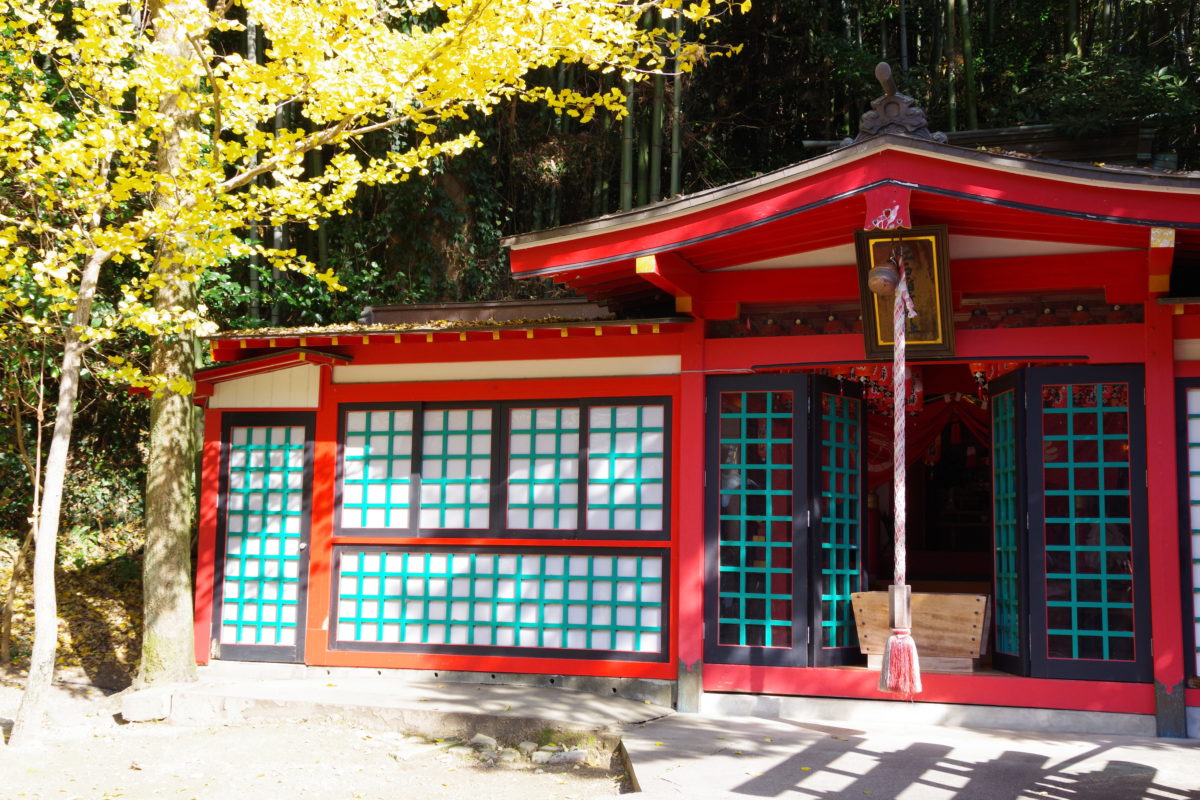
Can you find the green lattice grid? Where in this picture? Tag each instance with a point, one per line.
(1004, 515)
(455, 486)
(550, 465)
(767, 584)
(265, 505)
(631, 463)
(840, 491)
(576, 602)
(377, 469)
(1089, 574)
(1193, 427)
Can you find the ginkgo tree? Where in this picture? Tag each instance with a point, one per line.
(136, 142)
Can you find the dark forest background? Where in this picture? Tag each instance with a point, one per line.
(799, 85)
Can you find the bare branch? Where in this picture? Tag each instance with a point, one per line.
(216, 91)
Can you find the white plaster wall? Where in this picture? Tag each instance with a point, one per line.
(496, 370)
(294, 387)
(1187, 349)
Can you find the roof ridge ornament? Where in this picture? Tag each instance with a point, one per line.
(893, 113)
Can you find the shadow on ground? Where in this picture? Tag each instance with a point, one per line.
(778, 758)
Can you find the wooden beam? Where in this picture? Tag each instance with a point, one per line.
(805, 285)
(1119, 272)
(675, 276)
(717, 309)
(1160, 257)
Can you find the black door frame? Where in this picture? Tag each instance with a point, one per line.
(1035, 636)
(1018, 662)
(293, 653)
(807, 584)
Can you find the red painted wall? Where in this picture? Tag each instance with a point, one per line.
(1132, 343)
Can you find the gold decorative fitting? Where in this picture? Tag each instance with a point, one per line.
(1162, 237)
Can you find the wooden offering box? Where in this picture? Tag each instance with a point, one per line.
(950, 629)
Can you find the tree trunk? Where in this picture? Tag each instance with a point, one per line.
(643, 162)
(252, 53)
(168, 653)
(280, 235)
(627, 150)
(33, 466)
(656, 135)
(951, 66)
(10, 596)
(31, 717)
(600, 164)
(968, 55)
(316, 166)
(1074, 38)
(677, 120)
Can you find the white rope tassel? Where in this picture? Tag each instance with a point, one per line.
(901, 670)
(903, 310)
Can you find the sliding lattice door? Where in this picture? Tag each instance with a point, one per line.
(784, 520)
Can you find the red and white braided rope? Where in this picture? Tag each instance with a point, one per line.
(903, 309)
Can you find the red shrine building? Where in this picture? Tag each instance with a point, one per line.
(686, 478)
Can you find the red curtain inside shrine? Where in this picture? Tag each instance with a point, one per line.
(922, 431)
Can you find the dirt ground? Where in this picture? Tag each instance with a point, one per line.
(91, 756)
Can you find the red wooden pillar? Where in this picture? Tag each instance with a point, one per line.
(206, 548)
(690, 626)
(1162, 499)
(320, 537)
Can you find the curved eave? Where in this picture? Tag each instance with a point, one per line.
(805, 206)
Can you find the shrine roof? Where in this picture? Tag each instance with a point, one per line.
(805, 215)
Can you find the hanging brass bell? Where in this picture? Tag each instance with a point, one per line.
(883, 279)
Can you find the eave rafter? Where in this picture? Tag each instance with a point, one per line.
(1160, 255)
(674, 275)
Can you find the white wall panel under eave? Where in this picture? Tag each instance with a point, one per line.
(499, 370)
(294, 387)
(1187, 349)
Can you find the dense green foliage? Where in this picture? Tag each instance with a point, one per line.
(804, 76)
